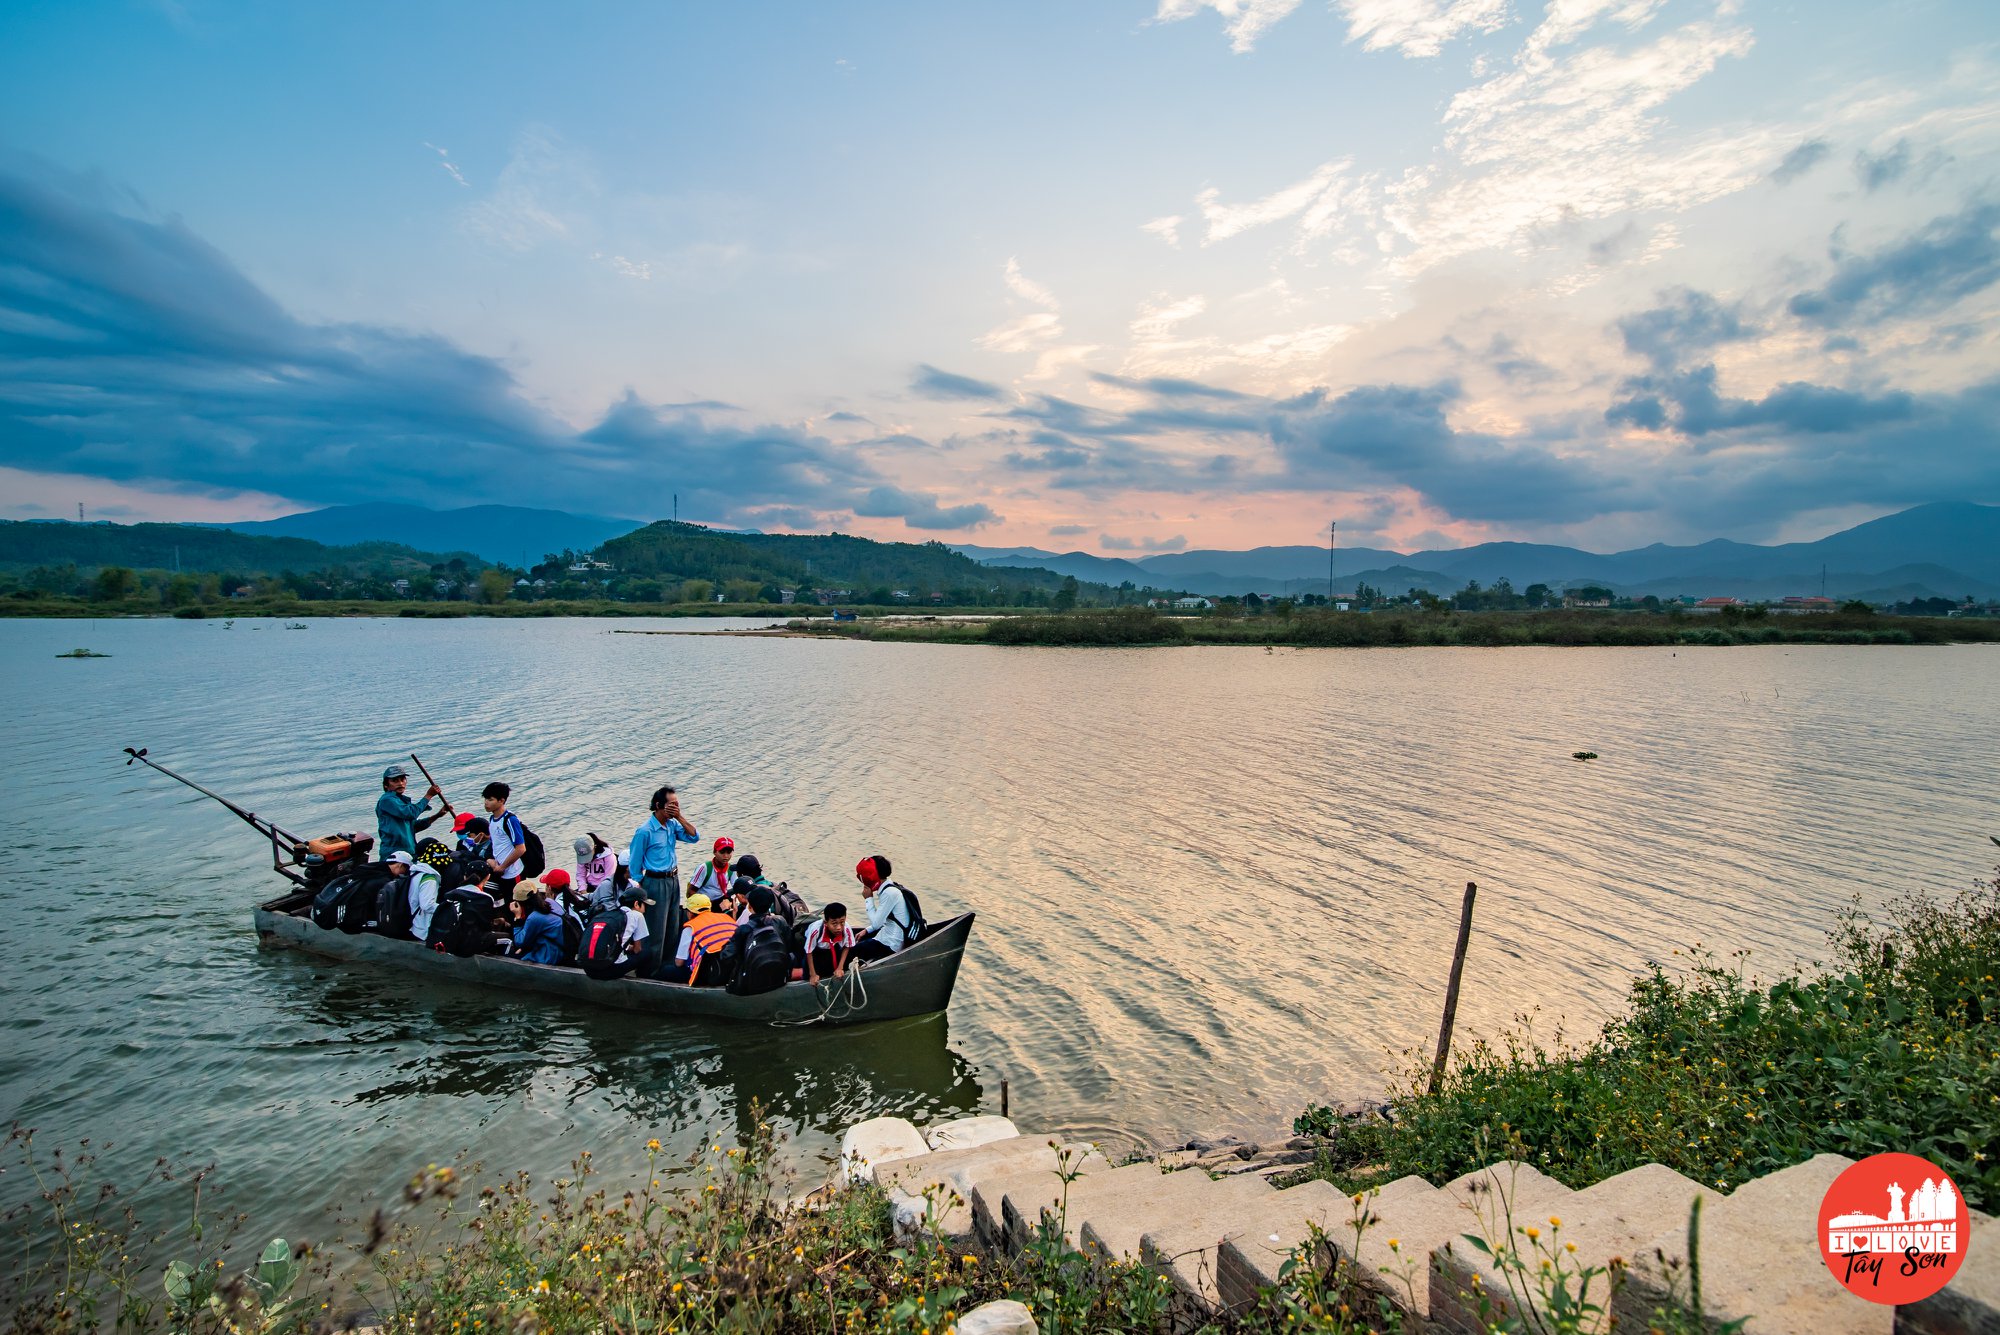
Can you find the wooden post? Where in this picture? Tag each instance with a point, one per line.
(1003, 1096)
(1451, 991)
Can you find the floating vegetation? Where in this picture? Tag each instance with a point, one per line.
(295, 625)
(1583, 755)
(83, 653)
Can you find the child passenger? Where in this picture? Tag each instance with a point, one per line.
(829, 944)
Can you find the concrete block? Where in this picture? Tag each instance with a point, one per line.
(1027, 1201)
(1417, 1218)
(935, 1190)
(1250, 1261)
(1759, 1261)
(1183, 1244)
(989, 1190)
(875, 1141)
(966, 1132)
(1970, 1304)
(1113, 1226)
(1499, 1201)
(1005, 1317)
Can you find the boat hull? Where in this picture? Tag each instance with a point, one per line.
(916, 981)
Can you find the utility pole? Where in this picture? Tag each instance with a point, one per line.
(1822, 581)
(677, 507)
(1332, 530)
(79, 512)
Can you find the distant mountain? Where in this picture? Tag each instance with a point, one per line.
(504, 534)
(196, 549)
(1094, 569)
(672, 551)
(1946, 549)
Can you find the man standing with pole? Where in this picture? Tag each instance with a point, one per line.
(655, 861)
(396, 822)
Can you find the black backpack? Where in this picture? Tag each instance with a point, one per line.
(916, 924)
(348, 902)
(792, 905)
(766, 963)
(603, 940)
(392, 907)
(463, 923)
(326, 904)
(534, 858)
(572, 938)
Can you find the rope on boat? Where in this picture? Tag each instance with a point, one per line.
(849, 994)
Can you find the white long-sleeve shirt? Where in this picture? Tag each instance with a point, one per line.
(423, 900)
(889, 916)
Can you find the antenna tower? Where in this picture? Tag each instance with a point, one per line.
(1332, 531)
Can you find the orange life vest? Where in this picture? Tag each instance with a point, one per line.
(709, 932)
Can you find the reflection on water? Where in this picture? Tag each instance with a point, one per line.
(1212, 883)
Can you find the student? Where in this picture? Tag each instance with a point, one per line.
(712, 877)
(830, 944)
(506, 834)
(471, 832)
(655, 859)
(425, 887)
(538, 936)
(888, 912)
(396, 822)
(595, 865)
(758, 957)
(607, 896)
(702, 940)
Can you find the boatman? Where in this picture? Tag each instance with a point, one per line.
(396, 822)
(655, 861)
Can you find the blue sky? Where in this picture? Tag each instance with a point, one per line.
(1131, 275)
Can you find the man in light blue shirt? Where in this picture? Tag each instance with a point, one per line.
(655, 863)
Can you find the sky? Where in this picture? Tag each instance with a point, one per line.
(1123, 276)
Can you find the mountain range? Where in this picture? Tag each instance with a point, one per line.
(1947, 549)
(505, 534)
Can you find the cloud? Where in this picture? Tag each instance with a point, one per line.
(1227, 220)
(1418, 27)
(1067, 530)
(1244, 20)
(1113, 543)
(1690, 321)
(932, 383)
(529, 199)
(919, 510)
(1026, 288)
(1947, 260)
(1800, 160)
(1168, 229)
(444, 160)
(1690, 404)
(1875, 170)
(131, 350)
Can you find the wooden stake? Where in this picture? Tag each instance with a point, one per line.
(1451, 991)
(1003, 1097)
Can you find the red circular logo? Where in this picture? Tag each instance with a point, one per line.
(1893, 1228)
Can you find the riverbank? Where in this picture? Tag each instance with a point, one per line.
(298, 609)
(1893, 1044)
(1416, 629)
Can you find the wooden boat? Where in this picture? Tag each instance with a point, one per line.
(915, 981)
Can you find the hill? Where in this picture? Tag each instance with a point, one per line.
(195, 549)
(669, 550)
(501, 534)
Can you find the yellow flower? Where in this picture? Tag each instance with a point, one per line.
(653, 1145)
(1394, 1244)
(1569, 1246)
(1532, 1232)
(1555, 1221)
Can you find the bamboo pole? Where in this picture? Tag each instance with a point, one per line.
(1451, 991)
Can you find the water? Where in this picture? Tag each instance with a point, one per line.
(1213, 884)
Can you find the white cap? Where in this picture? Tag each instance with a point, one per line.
(400, 856)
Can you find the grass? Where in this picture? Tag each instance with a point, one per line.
(1894, 1045)
(1315, 629)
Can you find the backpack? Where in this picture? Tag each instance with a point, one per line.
(326, 904)
(766, 963)
(603, 940)
(348, 902)
(392, 907)
(534, 858)
(463, 923)
(914, 907)
(572, 938)
(792, 905)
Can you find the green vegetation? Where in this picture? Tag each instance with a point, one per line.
(1894, 1046)
(1322, 629)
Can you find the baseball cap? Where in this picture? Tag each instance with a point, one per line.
(522, 891)
(749, 866)
(464, 819)
(698, 903)
(555, 876)
(725, 844)
(585, 850)
(634, 895)
(394, 772)
(400, 856)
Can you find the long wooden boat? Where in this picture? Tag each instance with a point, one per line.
(915, 981)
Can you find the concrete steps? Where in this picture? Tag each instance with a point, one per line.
(1223, 1240)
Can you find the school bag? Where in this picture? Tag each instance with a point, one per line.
(603, 941)
(392, 907)
(791, 904)
(348, 902)
(534, 858)
(463, 923)
(915, 924)
(766, 964)
(572, 938)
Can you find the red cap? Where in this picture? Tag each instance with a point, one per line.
(555, 876)
(865, 869)
(464, 819)
(725, 842)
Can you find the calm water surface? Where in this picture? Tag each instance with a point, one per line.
(1213, 884)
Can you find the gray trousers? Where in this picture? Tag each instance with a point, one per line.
(663, 922)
